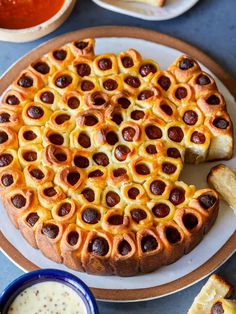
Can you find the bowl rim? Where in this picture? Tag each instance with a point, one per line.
(44, 24)
(26, 280)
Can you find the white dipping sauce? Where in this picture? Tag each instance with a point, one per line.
(48, 297)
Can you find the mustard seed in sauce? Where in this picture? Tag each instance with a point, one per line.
(48, 297)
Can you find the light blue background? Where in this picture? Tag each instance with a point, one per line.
(211, 26)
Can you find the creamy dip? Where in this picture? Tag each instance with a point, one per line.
(48, 297)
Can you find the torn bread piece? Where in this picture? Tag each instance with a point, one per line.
(215, 288)
(223, 179)
(158, 3)
(222, 306)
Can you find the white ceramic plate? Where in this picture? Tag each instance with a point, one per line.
(173, 8)
(212, 242)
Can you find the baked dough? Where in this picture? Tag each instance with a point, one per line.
(223, 179)
(222, 306)
(91, 150)
(215, 289)
(159, 3)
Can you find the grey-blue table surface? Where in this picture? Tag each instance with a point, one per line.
(211, 26)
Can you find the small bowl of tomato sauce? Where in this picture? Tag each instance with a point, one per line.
(27, 20)
(47, 291)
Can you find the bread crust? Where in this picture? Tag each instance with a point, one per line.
(159, 3)
(214, 290)
(29, 221)
(49, 244)
(125, 265)
(71, 247)
(223, 179)
(228, 306)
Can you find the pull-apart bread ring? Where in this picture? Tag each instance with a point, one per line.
(91, 152)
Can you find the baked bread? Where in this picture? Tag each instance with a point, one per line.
(222, 306)
(158, 3)
(91, 150)
(210, 295)
(223, 179)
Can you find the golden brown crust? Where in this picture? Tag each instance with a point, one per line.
(214, 290)
(38, 120)
(206, 201)
(124, 256)
(228, 286)
(70, 179)
(182, 93)
(105, 64)
(49, 195)
(184, 73)
(162, 3)
(222, 143)
(212, 102)
(28, 83)
(13, 100)
(223, 180)
(129, 61)
(29, 134)
(37, 174)
(11, 119)
(174, 241)
(30, 154)
(159, 3)
(71, 247)
(110, 220)
(202, 83)
(65, 211)
(61, 57)
(63, 81)
(95, 261)
(56, 156)
(192, 224)
(42, 68)
(29, 222)
(227, 306)
(150, 255)
(48, 97)
(48, 237)
(10, 179)
(197, 141)
(91, 151)
(17, 202)
(84, 47)
(165, 109)
(9, 159)
(9, 138)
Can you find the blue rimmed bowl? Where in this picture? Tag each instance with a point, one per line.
(29, 279)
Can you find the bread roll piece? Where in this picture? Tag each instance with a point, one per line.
(215, 288)
(223, 179)
(158, 3)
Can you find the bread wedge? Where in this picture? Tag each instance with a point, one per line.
(158, 3)
(223, 179)
(215, 288)
(223, 306)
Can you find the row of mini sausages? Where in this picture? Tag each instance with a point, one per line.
(125, 254)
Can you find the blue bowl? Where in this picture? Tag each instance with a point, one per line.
(29, 279)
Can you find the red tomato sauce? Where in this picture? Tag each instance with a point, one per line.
(16, 14)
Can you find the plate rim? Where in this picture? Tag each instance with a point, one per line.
(227, 250)
(119, 10)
